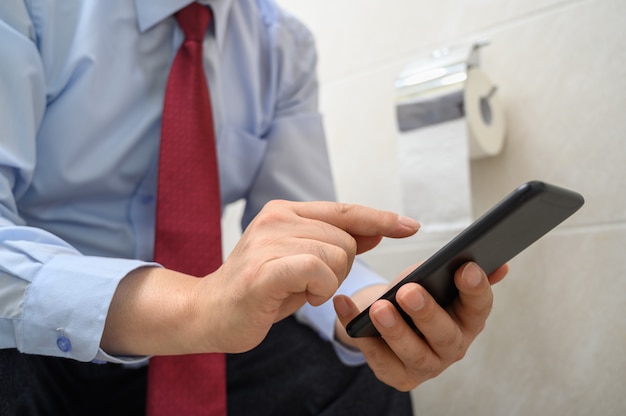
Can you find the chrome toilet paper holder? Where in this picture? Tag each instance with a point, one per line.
(432, 90)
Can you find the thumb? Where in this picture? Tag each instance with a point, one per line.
(365, 242)
(345, 308)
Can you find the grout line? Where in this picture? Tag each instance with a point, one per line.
(474, 34)
(592, 227)
(529, 16)
(432, 241)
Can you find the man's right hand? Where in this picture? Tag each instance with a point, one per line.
(291, 253)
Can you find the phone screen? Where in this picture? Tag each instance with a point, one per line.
(518, 220)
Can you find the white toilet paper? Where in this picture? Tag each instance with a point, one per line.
(435, 176)
(435, 153)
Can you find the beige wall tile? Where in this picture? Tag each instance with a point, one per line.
(556, 339)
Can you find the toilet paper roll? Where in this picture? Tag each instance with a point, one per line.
(484, 115)
(434, 164)
(439, 135)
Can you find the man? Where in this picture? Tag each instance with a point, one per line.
(82, 85)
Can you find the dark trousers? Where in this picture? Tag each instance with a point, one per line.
(292, 372)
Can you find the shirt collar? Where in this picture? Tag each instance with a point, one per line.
(151, 12)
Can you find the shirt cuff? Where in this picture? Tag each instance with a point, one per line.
(129, 361)
(322, 318)
(66, 305)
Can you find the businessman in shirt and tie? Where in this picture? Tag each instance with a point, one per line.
(84, 302)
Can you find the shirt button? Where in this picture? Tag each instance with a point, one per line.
(64, 343)
(147, 199)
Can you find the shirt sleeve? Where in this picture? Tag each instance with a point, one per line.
(62, 297)
(296, 165)
(53, 300)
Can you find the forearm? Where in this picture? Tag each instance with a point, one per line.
(153, 313)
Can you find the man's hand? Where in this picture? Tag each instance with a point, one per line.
(293, 253)
(400, 357)
(290, 253)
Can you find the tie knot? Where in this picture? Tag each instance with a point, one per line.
(194, 21)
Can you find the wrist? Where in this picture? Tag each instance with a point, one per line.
(153, 312)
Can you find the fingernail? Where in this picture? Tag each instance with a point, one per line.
(385, 316)
(472, 275)
(413, 300)
(408, 222)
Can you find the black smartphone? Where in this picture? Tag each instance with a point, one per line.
(513, 224)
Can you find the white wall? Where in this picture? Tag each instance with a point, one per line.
(556, 340)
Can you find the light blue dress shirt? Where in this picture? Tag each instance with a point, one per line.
(81, 91)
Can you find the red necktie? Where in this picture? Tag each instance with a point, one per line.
(188, 219)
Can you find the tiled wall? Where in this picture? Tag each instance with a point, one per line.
(556, 341)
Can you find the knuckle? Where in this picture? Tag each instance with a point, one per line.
(350, 245)
(342, 261)
(335, 258)
(455, 349)
(422, 364)
(406, 385)
(343, 208)
(424, 372)
(289, 267)
(480, 328)
(477, 327)
(387, 219)
(419, 371)
(460, 353)
(273, 213)
(381, 367)
(474, 317)
(310, 262)
(342, 240)
(279, 269)
(484, 307)
(275, 204)
(452, 343)
(265, 218)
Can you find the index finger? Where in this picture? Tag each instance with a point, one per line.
(358, 220)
